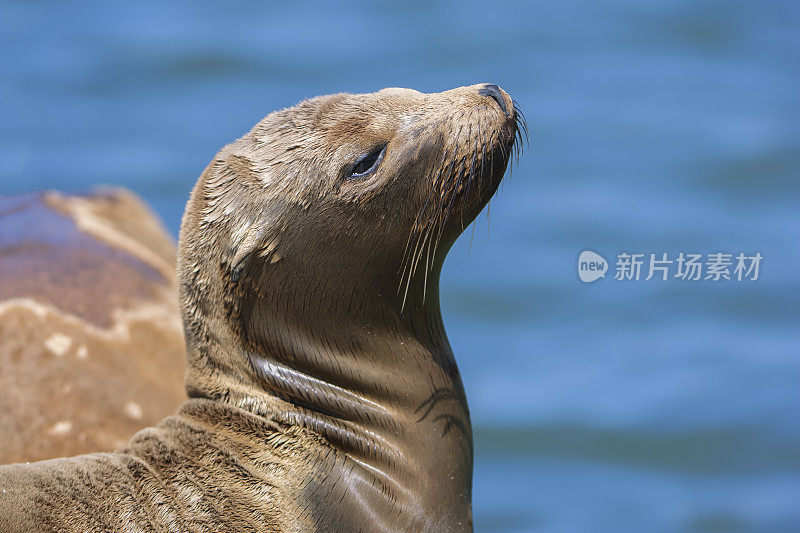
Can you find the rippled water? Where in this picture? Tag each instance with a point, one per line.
(646, 406)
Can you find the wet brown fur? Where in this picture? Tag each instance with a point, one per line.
(324, 395)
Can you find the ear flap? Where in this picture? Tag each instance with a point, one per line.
(261, 237)
(247, 245)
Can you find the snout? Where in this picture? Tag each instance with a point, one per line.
(490, 90)
(491, 97)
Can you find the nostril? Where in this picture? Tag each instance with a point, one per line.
(493, 91)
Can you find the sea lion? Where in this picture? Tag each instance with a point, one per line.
(91, 343)
(324, 395)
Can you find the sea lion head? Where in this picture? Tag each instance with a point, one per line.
(361, 188)
(341, 206)
(310, 253)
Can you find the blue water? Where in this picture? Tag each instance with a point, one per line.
(611, 407)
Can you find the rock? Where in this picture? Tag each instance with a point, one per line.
(89, 323)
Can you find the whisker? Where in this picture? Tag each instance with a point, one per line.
(488, 218)
(471, 235)
(453, 182)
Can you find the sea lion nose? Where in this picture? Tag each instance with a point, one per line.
(495, 93)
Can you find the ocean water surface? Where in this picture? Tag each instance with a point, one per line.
(667, 127)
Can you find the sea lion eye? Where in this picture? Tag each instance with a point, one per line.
(368, 163)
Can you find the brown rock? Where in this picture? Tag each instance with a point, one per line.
(91, 344)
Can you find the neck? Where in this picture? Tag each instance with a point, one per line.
(380, 387)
